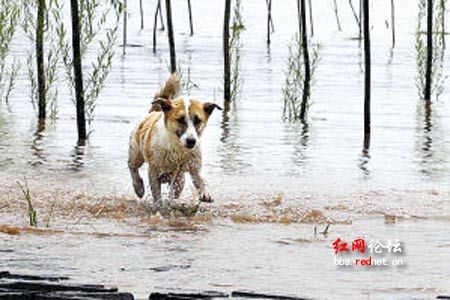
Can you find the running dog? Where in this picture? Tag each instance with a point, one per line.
(168, 139)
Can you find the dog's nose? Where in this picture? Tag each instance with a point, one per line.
(190, 142)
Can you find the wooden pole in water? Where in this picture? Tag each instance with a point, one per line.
(393, 23)
(306, 84)
(269, 18)
(443, 23)
(77, 68)
(141, 10)
(155, 25)
(429, 65)
(367, 73)
(40, 60)
(299, 19)
(173, 59)
(360, 22)
(336, 13)
(226, 52)
(311, 23)
(124, 37)
(190, 17)
(160, 15)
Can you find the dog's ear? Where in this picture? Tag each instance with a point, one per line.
(163, 104)
(209, 107)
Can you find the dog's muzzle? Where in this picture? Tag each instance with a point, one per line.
(190, 143)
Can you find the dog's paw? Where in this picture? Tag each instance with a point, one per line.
(139, 188)
(205, 197)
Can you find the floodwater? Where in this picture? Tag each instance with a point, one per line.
(273, 181)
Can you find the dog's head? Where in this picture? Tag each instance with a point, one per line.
(186, 119)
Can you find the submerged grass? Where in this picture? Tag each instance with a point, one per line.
(81, 210)
(186, 83)
(324, 232)
(32, 214)
(282, 215)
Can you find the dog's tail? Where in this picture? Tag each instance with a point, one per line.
(171, 89)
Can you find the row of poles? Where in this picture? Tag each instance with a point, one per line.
(364, 33)
(77, 69)
(77, 63)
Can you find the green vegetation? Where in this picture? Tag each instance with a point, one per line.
(325, 232)
(96, 29)
(9, 18)
(32, 214)
(294, 83)
(437, 69)
(52, 50)
(186, 83)
(235, 46)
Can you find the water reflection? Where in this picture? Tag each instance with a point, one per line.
(431, 153)
(390, 59)
(5, 137)
(230, 155)
(363, 162)
(360, 60)
(425, 139)
(37, 145)
(298, 135)
(78, 157)
(425, 143)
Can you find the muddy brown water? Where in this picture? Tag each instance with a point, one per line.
(249, 238)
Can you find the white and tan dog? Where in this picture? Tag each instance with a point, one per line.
(168, 139)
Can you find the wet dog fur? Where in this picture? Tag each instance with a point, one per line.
(168, 139)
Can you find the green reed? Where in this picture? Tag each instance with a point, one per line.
(99, 24)
(186, 83)
(235, 46)
(53, 16)
(294, 82)
(32, 214)
(437, 70)
(9, 18)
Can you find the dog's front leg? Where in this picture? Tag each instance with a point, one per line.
(176, 185)
(200, 185)
(155, 185)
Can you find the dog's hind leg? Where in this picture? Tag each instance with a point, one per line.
(177, 185)
(135, 161)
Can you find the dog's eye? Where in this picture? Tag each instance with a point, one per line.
(181, 120)
(197, 121)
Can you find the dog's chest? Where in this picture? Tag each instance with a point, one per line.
(165, 158)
